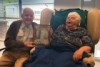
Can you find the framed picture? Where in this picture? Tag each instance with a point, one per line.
(42, 35)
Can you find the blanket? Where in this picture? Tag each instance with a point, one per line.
(57, 55)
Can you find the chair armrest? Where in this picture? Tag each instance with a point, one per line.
(89, 61)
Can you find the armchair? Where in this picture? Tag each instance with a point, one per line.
(92, 26)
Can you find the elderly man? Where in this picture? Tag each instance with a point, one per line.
(19, 40)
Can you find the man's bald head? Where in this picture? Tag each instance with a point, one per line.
(27, 10)
(27, 15)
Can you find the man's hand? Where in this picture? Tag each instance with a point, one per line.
(29, 44)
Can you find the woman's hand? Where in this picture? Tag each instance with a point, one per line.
(29, 44)
(78, 54)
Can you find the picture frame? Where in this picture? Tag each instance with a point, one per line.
(42, 35)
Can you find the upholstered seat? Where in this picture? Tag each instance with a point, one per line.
(93, 28)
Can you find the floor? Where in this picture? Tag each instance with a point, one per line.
(97, 62)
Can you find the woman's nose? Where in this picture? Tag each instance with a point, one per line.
(69, 19)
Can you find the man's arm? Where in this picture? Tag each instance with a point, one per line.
(10, 40)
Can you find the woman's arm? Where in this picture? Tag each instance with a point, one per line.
(79, 53)
(87, 46)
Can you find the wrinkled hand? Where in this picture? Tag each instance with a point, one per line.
(29, 44)
(78, 55)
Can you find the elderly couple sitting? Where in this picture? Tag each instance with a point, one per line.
(68, 46)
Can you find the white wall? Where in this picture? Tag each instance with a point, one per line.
(84, 4)
(88, 4)
(64, 4)
(97, 3)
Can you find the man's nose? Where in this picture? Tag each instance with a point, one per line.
(29, 16)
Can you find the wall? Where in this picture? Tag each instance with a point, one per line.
(97, 3)
(84, 4)
(64, 4)
(88, 4)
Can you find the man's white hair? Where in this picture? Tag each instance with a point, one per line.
(77, 16)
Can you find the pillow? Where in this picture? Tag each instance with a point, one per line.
(60, 17)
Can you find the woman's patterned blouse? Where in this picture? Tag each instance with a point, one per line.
(75, 38)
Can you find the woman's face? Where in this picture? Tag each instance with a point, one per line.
(72, 21)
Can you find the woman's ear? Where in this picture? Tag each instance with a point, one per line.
(78, 24)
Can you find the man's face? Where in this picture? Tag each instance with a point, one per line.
(72, 21)
(28, 16)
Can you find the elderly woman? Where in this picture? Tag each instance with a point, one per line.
(70, 44)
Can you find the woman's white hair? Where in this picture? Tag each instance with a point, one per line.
(77, 16)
